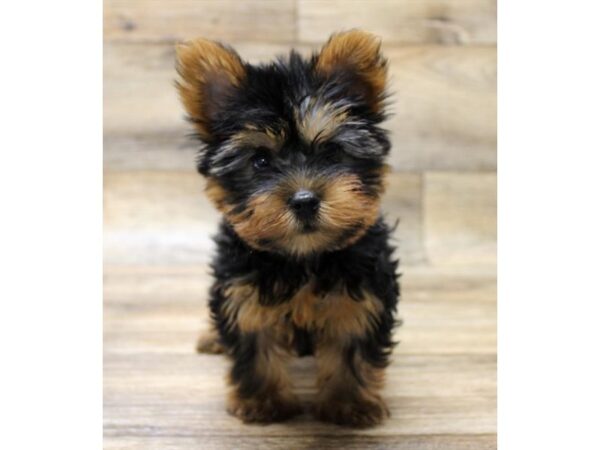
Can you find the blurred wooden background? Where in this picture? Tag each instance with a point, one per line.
(158, 224)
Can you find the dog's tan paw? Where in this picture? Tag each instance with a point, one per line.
(264, 410)
(354, 412)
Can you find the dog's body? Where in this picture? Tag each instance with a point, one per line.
(294, 159)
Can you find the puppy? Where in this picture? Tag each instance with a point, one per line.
(294, 159)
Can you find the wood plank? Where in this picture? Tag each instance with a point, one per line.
(333, 440)
(168, 150)
(164, 217)
(444, 107)
(176, 20)
(401, 21)
(460, 218)
(402, 204)
(410, 415)
(185, 378)
(397, 21)
(157, 217)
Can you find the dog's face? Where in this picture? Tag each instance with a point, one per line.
(293, 153)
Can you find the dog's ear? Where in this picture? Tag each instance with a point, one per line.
(208, 75)
(355, 57)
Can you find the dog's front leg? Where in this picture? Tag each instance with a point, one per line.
(261, 390)
(348, 385)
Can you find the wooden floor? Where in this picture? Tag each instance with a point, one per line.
(159, 394)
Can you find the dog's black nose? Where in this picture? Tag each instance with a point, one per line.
(305, 204)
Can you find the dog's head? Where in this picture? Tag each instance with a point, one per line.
(292, 150)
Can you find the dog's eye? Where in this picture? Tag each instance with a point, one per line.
(261, 160)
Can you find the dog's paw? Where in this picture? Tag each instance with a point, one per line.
(209, 342)
(357, 412)
(264, 410)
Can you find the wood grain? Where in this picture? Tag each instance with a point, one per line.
(410, 415)
(460, 218)
(176, 20)
(157, 218)
(310, 441)
(443, 106)
(397, 21)
(401, 21)
(402, 207)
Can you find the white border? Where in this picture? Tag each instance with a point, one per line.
(549, 223)
(51, 226)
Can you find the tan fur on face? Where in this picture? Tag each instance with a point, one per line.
(267, 218)
(318, 121)
(268, 138)
(356, 51)
(215, 192)
(206, 69)
(344, 205)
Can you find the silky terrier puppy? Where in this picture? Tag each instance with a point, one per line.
(294, 159)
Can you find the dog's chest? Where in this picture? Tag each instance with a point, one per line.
(334, 312)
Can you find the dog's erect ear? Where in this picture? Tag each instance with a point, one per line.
(355, 56)
(208, 74)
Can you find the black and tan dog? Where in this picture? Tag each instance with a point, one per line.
(295, 160)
